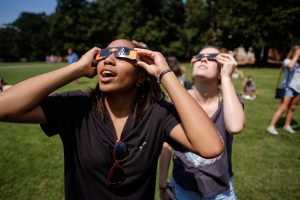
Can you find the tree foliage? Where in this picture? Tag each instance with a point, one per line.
(174, 27)
(28, 36)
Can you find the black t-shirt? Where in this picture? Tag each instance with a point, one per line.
(206, 176)
(88, 147)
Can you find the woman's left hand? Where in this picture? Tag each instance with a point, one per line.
(152, 61)
(228, 64)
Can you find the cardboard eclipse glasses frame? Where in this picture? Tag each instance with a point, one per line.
(209, 56)
(119, 52)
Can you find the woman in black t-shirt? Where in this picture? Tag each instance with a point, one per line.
(113, 136)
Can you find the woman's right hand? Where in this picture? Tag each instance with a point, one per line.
(297, 53)
(86, 62)
(228, 63)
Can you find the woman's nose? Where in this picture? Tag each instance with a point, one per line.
(204, 59)
(110, 59)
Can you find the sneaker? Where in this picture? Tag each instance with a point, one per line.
(289, 129)
(246, 96)
(272, 130)
(252, 97)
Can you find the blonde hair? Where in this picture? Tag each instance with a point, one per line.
(292, 51)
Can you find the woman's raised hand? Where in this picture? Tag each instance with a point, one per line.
(86, 62)
(297, 53)
(152, 61)
(228, 64)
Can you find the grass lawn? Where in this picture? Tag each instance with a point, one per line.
(265, 166)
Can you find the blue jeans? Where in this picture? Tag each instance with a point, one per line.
(290, 92)
(183, 194)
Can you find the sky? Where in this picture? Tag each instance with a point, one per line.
(10, 10)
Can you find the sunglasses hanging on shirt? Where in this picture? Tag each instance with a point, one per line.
(116, 173)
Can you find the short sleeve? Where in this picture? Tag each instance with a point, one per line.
(63, 110)
(286, 62)
(170, 121)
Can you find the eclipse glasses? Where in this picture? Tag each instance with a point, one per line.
(118, 52)
(208, 56)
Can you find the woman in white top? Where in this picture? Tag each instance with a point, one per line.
(292, 91)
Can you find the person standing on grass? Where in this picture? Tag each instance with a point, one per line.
(113, 136)
(292, 92)
(197, 177)
(71, 58)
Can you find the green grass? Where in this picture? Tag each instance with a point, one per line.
(265, 166)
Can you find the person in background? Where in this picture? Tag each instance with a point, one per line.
(251, 56)
(249, 88)
(177, 68)
(195, 176)
(140, 44)
(71, 58)
(3, 85)
(237, 74)
(113, 135)
(292, 92)
(240, 55)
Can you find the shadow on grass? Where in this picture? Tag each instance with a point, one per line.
(281, 122)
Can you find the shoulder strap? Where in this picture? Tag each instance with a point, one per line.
(280, 73)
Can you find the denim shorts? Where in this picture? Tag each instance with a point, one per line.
(183, 194)
(290, 92)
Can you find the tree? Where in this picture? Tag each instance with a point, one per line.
(31, 38)
(174, 27)
(68, 26)
(197, 29)
(8, 46)
(260, 24)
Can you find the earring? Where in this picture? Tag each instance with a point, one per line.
(137, 84)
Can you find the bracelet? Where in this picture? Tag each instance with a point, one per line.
(163, 73)
(168, 186)
(163, 189)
